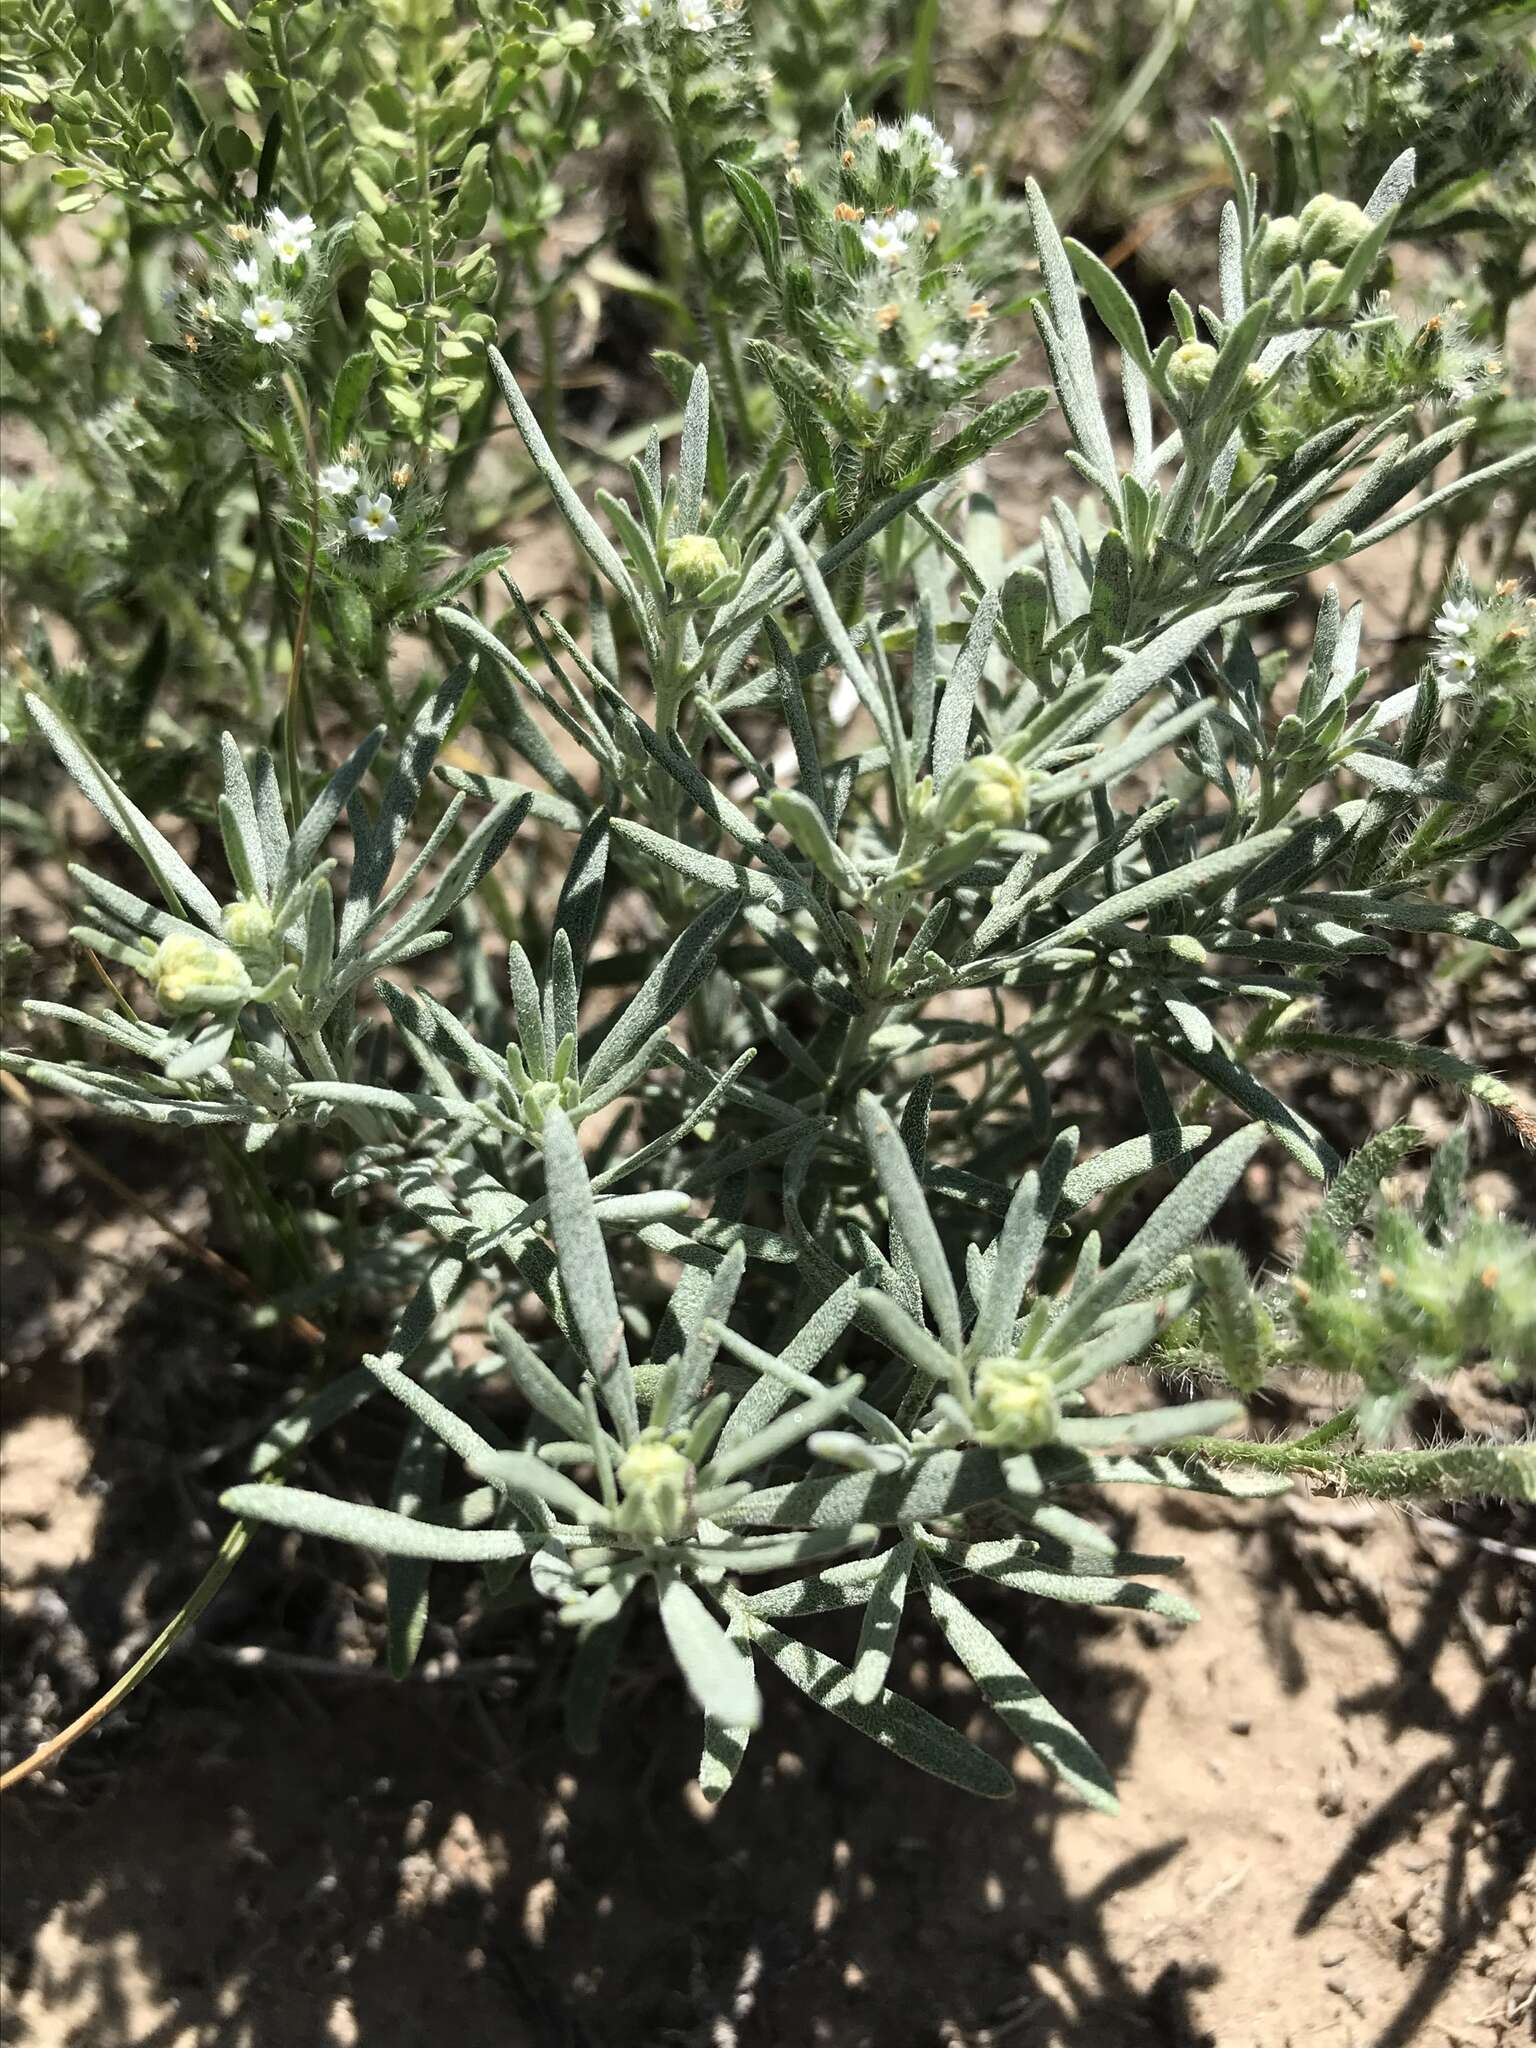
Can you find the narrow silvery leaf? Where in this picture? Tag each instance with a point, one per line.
(839, 639)
(1151, 1429)
(242, 805)
(896, 1724)
(527, 1009)
(1018, 1249)
(1066, 339)
(935, 1483)
(881, 1624)
(1168, 887)
(1120, 1163)
(693, 456)
(669, 985)
(785, 1430)
(1121, 1335)
(584, 528)
(1300, 1138)
(584, 1273)
(1396, 183)
(703, 1341)
(581, 893)
(952, 726)
(377, 853)
(724, 1746)
(1016, 1699)
(467, 870)
(1159, 658)
(450, 1428)
(170, 871)
(905, 1336)
(1113, 304)
(345, 1521)
(910, 1214)
(540, 1387)
(416, 1490)
(315, 827)
(525, 1472)
(1181, 1216)
(716, 1670)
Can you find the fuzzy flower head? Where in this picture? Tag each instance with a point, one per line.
(373, 519)
(1013, 1405)
(693, 561)
(656, 1487)
(246, 271)
(695, 16)
(289, 239)
(268, 321)
(337, 479)
(637, 13)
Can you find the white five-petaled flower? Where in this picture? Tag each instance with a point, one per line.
(637, 13)
(941, 159)
(1457, 617)
(336, 479)
(88, 316)
(886, 240)
(246, 271)
(695, 16)
(204, 309)
(1455, 663)
(877, 384)
(268, 320)
(280, 229)
(373, 518)
(939, 361)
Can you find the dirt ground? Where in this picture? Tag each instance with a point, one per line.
(1327, 1831)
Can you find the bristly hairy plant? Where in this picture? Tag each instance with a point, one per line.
(856, 836)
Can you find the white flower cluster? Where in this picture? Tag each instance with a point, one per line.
(1357, 38)
(289, 242)
(1454, 659)
(372, 518)
(878, 384)
(937, 154)
(696, 17)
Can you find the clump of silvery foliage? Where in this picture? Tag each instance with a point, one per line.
(806, 1294)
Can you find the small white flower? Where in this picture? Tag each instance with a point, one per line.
(637, 13)
(204, 309)
(336, 479)
(87, 316)
(1457, 617)
(886, 240)
(939, 361)
(278, 223)
(919, 124)
(268, 320)
(905, 222)
(246, 271)
(695, 16)
(288, 248)
(373, 518)
(941, 159)
(877, 384)
(1455, 664)
(889, 138)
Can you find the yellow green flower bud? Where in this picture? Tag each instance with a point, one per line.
(1014, 1405)
(656, 1487)
(1191, 368)
(248, 925)
(988, 789)
(1282, 241)
(693, 561)
(1321, 279)
(190, 973)
(1331, 227)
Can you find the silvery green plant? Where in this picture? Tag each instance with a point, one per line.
(894, 824)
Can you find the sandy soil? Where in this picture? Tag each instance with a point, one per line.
(1325, 1838)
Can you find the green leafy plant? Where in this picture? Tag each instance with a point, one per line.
(856, 837)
